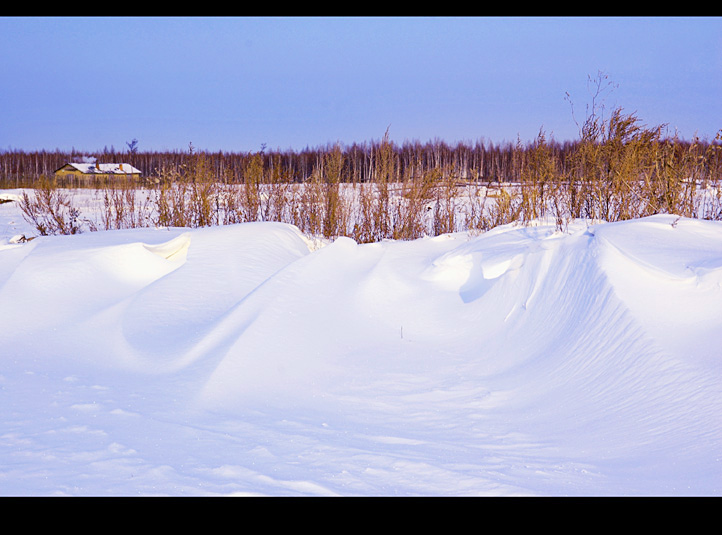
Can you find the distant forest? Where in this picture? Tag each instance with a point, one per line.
(480, 161)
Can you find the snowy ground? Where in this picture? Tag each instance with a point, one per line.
(243, 360)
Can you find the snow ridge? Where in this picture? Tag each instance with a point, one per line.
(520, 361)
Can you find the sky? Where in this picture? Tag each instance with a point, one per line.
(238, 84)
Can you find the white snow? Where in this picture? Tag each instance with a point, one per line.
(245, 360)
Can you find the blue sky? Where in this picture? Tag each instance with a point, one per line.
(237, 83)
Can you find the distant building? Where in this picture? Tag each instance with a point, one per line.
(97, 171)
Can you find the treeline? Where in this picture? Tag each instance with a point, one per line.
(480, 160)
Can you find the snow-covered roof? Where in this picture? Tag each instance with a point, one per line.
(91, 168)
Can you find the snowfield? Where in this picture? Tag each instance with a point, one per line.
(251, 360)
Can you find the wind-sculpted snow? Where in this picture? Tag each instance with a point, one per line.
(520, 361)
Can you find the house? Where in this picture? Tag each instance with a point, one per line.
(97, 171)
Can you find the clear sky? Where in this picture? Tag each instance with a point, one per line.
(237, 83)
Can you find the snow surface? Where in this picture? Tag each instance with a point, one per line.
(245, 360)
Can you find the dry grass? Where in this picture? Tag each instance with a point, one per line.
(619, 169)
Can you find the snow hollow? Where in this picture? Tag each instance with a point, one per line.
(249, 360)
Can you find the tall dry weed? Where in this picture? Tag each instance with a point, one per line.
(50, 210)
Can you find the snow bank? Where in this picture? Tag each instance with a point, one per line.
(240, 360)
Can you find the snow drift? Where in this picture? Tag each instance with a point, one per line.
(244, 360)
